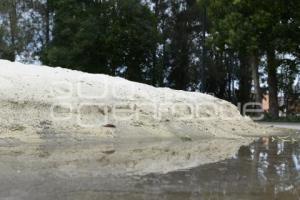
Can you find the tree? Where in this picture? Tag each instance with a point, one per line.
(257, 28)
(231, 32)
(185, 26)
(17, 29)
(8, 35)
(114, 37)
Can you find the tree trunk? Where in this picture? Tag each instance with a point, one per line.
(245, 81)
(253, 62)
(47, 21)
(13, 29)
(204, 50)
(272, 82)
(154, 58)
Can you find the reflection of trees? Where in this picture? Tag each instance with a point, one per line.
(264, 170)
(277, 166)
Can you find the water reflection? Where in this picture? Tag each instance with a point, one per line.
(267, 169)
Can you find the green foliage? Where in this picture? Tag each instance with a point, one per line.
(258, 28)
(290, 118)
(182, 35)
(100, 37)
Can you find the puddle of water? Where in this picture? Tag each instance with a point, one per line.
(267, 169)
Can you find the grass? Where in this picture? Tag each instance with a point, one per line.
(282, 119)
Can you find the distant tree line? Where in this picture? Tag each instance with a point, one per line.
(230, 48)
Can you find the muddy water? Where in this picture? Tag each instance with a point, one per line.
(267, 169)
(264, 170)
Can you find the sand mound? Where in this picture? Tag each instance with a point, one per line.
(47, 106)
(40, 97)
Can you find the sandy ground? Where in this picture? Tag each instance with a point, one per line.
(294, 126)
(59, 125)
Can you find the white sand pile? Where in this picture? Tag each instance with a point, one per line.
(38, 102)
(35, 97)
